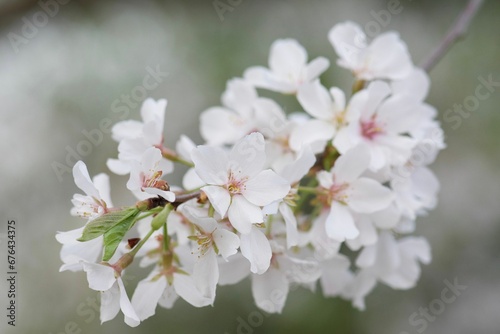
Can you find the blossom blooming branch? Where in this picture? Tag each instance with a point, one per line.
(270, 196)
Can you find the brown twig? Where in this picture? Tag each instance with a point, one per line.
(457, 31)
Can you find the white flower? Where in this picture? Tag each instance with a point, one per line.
(288, 68)
(114, 297)
(386, 57)
(237, 183)
(382, 124)
(74, 251)
(327, 108)
(145, 176)
(212, 239)
(347, 192)
(395, 262)
(243, 112)
(135, 137)
(96, 200)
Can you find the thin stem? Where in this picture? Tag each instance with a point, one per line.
(141, 243)
(457, 31)
(311, 190)
(166, 238)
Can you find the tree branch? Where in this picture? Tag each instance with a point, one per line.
(456, 32)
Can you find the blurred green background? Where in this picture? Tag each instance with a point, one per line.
(65, 78)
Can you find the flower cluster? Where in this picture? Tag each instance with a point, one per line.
(327, 196)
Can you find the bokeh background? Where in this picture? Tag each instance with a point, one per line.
(66, 76)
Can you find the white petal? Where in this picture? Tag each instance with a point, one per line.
(227, 242)
(295, 171)
(131, 317)
(168, 298)
(352, 164)
(110, 303)
(349, 41)
(389, 57)
(191, 180)
(220, 126)
(255, 247)
(316, 100)
(298, 270)
(242, 214)
(211, 164)
(219, 198)
(234, 270)
(325, 179)
(292, 234)
(367, 196)
(265, 188)
(270, 291)
(336, 275)
(186, 289)
(287, 58)
(239, 96)
(126, 129)
(118, 167)
(316, 67)
(206, 274)
(147, 294)
(248, 156)
(311, 132)
(100, 277)
(416, 84)
(168, 195)
(153, 111)
(83, 181)
(263, 78)
(340, 223)
(101, 182)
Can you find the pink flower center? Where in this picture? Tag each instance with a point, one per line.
(371, 129)
(235, 186)
(337, 192)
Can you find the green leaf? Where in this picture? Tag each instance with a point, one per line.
(114, 235)
(106, 222)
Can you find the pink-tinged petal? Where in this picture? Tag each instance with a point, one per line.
(287, 58)
(147, 294)
(292, 234)
(295, 171)
(325, 179)
(100, 277)
(416, 84)
(110, 303)
(168, 195)
(206, 274)
(316, 67)
(234, 270)
(131, 317)
(256, 248)
(126, 129)
(220, 126)
(219, 198)
(265, 188)
(316, 100)
(349, 43)
(340, 223)
(248, 156)
(336, 275)
(211, 164)
(153, 111)
(185, 287)
(311, 132)
(389, 58)
(118, 167)
(270, 290)
(242, 214)
(83, 181)
(227, 242)
(368, 196)
(352, 164)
